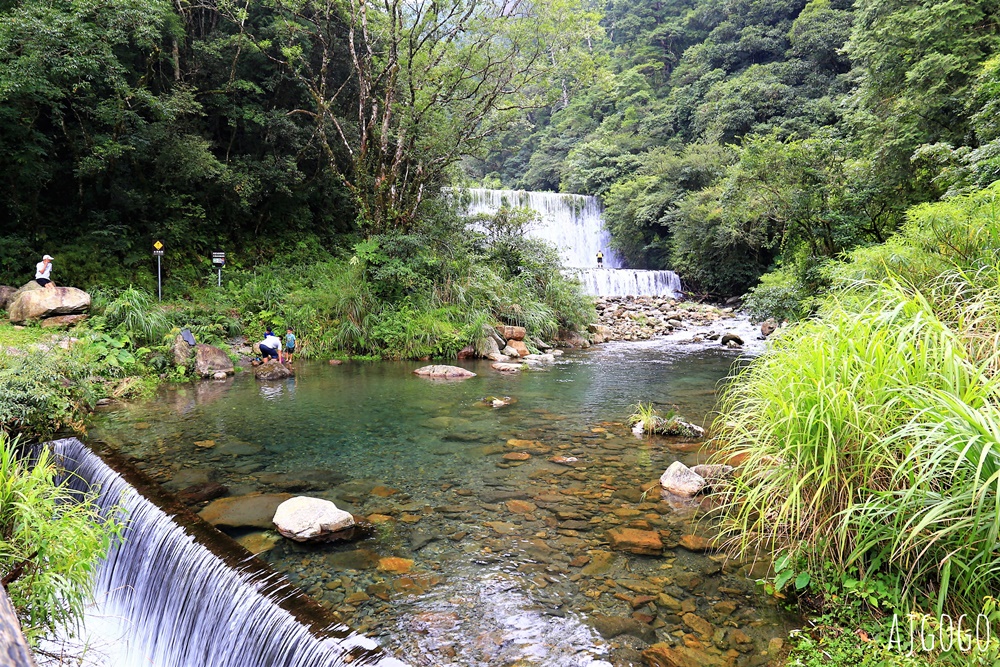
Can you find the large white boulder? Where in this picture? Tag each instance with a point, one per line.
(41, 303)
(680, 480)
(306, 519)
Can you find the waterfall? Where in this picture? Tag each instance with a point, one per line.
(184, 595)
(574, 224)
(619, 282)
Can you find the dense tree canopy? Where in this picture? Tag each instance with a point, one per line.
(759, 132)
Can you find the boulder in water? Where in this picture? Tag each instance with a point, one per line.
(768, 327)
(255, 510)
(272, 371)
(306, 519)
(731, 337)
(442, 371)
(519, 347)
(512, 333)
(41, 303)
(680, 480)
(497, 356)
(209, 360)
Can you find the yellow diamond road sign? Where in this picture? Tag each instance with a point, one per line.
(157, 245)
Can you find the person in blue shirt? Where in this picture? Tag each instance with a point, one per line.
(289, 344)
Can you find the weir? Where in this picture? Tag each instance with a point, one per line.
(575, 225)
(184, 595)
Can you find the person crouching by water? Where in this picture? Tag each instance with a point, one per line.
(289, 344)
(42, 272)
(270, 347)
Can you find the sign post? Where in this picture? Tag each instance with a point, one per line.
(219, 261)
(158, 253)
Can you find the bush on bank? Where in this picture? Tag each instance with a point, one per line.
(51, 541)
(870, 434)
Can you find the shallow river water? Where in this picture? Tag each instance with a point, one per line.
(511, 563)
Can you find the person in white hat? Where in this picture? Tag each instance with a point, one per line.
(42, 271)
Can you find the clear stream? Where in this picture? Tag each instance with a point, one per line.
(511, 565)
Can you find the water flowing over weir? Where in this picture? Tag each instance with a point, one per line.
(575, 225)
(189, 597)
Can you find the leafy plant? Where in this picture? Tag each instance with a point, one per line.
(51, 541)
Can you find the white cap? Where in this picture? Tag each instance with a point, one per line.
(48, 257)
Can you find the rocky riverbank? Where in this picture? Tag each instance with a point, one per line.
(644, 317)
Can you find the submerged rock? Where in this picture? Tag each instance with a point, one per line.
(306, 519)
(442, 371)
(663, 655)
(680, 480)
(507, 368)
(250, 511)
(633, 540)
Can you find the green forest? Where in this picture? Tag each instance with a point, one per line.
(725, 139)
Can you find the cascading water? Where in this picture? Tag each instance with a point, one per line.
(179, 603)
(575, 225)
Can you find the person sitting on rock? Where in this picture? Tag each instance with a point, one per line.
(270, 347)
(42, 272)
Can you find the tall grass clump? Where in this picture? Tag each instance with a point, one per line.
(51, 542)
(134, 313)
(823, 424)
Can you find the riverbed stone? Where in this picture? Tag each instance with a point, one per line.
(664, 655)
(680, 480)
(306, 519)
(255, 510)
(713, 473)
(610, 627)
(443, 371)
(394, 565)
(633, 540)
(41, 303)
(199, 493)
(768, 327)
(696, 543)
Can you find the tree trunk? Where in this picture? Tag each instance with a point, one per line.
(14, 651)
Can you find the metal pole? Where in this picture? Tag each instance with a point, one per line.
(159, 280)
(220, 277)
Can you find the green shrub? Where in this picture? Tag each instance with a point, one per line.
(51, 542)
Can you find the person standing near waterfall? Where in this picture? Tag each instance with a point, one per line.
(600, 259)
